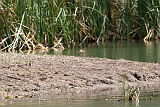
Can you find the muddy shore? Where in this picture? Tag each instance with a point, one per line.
(69, 77)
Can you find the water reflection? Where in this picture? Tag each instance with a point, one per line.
(145, 101)
(130, 50)
(81, 103)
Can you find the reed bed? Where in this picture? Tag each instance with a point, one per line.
(26, 23)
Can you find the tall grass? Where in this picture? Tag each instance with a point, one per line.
(75, 21)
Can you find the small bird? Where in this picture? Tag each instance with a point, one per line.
(81, 51)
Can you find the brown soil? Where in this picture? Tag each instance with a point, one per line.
(63, 77)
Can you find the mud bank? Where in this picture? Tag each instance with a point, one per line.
(68, 77)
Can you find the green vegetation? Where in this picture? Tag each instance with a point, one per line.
(5, 95)
(130, 93)
(27, 23)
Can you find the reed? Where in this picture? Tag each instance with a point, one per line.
(129, 93)
(76, 21)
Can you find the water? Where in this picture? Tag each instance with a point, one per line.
(83, 103)
(130, 50)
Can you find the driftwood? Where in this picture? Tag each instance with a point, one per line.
(149, 36)
(58, 44)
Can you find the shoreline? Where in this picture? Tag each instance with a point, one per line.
(68, 77)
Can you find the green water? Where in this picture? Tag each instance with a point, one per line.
(130, 50)
(83, 103)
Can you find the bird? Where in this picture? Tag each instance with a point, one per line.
(81, 51)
